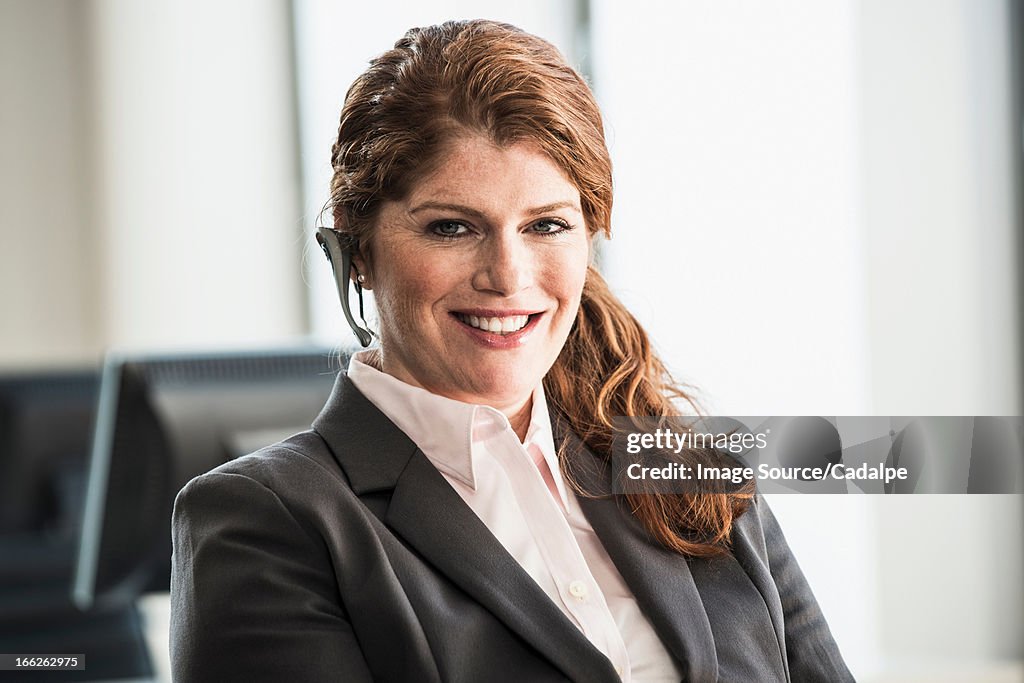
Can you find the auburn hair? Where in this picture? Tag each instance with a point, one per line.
(495, 80)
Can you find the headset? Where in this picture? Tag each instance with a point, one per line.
(340, 258)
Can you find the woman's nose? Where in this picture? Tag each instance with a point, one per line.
(505, 265)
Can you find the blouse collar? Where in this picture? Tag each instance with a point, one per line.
(450, 432)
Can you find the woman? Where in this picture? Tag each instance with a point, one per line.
(449, 516)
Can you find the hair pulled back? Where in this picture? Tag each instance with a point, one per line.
(494, 80)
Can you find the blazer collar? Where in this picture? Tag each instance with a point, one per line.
(428, 514)
(370, 449)
(448, 431)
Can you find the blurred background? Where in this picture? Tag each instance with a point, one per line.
(818, 212)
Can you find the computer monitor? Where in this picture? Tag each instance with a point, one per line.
(45, 429)
(162, 420)
(46, 426)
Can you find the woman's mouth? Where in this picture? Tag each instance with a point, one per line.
(497, 325)
(498, 331)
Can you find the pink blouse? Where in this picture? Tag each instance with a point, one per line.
(517, 490)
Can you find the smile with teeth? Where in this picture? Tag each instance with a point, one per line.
(506, 325)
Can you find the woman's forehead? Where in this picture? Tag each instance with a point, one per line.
(475, 170)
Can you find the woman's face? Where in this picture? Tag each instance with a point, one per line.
(478, 272)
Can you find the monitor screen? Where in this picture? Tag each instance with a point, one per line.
(163, 420)
(45, 429)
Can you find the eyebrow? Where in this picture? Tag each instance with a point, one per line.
(476, 213)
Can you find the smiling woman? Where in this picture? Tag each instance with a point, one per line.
(450, 516)
(487, 253)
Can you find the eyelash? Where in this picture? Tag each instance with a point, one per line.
(562, 227)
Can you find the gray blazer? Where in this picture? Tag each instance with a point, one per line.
(342, 554)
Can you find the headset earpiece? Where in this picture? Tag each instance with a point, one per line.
(340, 259)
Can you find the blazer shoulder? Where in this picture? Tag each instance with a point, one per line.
(300, 464)
(302, 451)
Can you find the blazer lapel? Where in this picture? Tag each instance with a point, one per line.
(428, 514)
(659, 578)
(748, 545)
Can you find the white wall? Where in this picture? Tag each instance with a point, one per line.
(736, 235)
(149, 185)
(49, 309)
(937, 140)
(197, 179)
(937, 137)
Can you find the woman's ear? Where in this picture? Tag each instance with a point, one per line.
(360, 269)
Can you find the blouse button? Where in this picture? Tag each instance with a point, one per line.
(578, 590)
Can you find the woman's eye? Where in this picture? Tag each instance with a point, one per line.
(449, 229)
(550, 227)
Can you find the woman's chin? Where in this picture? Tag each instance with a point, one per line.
(500, 389)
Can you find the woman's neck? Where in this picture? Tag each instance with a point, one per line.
(520, 419)
(518, 415)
